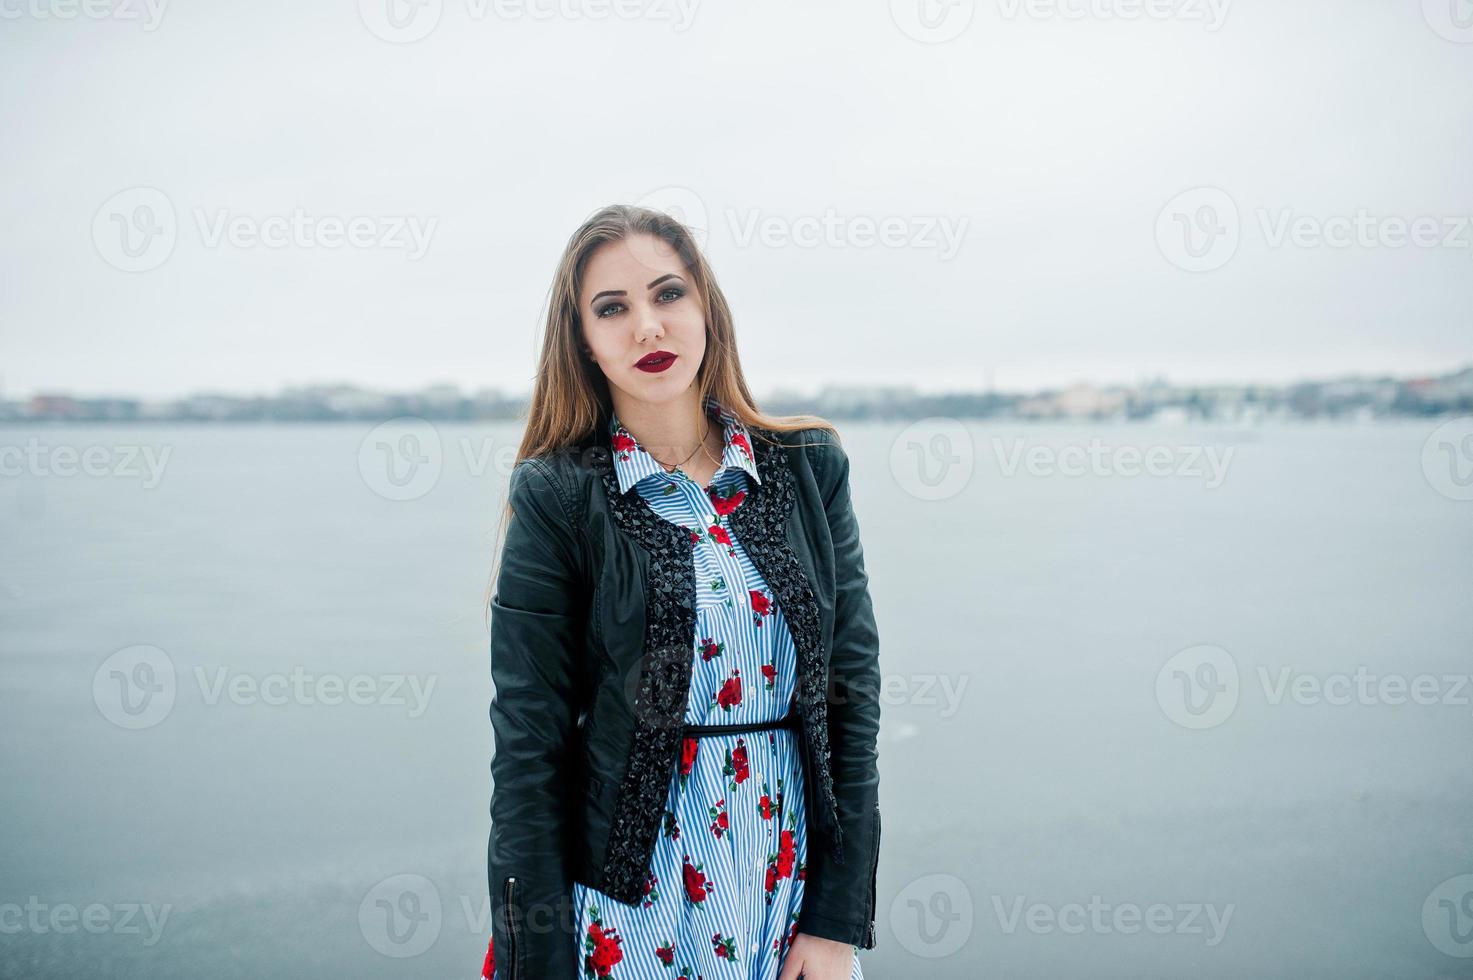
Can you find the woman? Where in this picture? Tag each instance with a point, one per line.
(683, 648)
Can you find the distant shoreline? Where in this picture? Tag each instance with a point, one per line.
(1357, 399)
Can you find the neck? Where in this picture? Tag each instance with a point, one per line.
(667, 430)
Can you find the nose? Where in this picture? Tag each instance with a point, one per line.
(647, 323)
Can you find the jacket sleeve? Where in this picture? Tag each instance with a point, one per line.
(839, 899)
(534, 635)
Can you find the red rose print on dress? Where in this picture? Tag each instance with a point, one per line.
(672, 829)
(761, 606)
(739, 440)
(719, 535)
(601, 948)
(725, 505)
(770, 805)
(666, 954)
(786, 854)
(724, 946)
(769, 676)
(688, 750)
(782, 864)
(737, 768)
(697, 886)
(720, 821)
(730, 694)
(624, 443)
(710, 649)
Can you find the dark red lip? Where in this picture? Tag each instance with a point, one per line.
(655, 361)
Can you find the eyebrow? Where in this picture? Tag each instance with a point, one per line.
(620, 292)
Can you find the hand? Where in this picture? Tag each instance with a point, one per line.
(813, 958)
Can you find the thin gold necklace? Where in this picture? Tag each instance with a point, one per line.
(671, 467)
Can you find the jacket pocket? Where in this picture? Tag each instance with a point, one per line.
(512, 962)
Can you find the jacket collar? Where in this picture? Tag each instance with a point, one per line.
(632, 464)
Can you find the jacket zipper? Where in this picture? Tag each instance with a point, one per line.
(874, 872)
(508, 896)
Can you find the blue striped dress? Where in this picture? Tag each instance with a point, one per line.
(725, 884)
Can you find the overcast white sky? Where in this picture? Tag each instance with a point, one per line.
(1048, 144)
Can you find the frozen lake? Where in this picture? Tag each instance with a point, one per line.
(1212, 720)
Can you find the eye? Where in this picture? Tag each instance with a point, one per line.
(603, 311)
(672, 289)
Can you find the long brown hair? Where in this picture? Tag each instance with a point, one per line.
(570, 394)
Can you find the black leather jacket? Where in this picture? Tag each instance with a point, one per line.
(591, 629)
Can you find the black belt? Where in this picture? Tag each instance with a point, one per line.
(789, 720)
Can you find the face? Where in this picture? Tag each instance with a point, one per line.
(636, 301)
